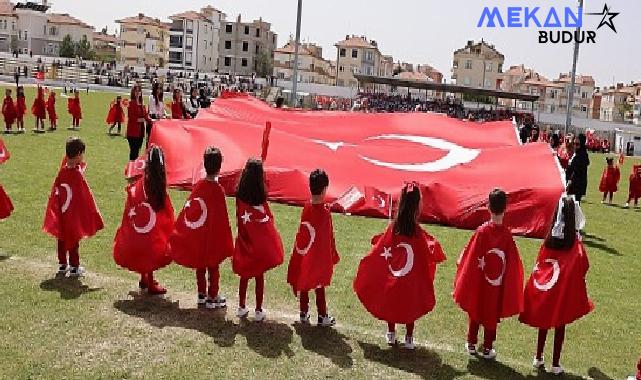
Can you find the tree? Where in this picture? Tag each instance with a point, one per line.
(67, 47)
(83, 49)
(264, 65)
(624, 109)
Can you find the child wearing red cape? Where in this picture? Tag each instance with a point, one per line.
(609, 180)
(635, 186)
(21, 109)
(6, 207)
(178, 107)
(39, 110)
(75, 110)
(314, 255)
(258, 247)
(51, 110)
(141, 241)
(395, 281)
(556, 294)
(202, 237)
(8, 111)
(116, 115)
(489, 278)
(71, 213)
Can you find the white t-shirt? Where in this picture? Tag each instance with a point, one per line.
(156, 109)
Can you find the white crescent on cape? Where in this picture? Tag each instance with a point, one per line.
(312, 238)
(261, 209)
(68, 197)
(150, 224)
(140, 165)
(3, 153)
(409, 260)
(381, 201)
(456, 154)
(499, 280)
(201, 219)
(556, 272)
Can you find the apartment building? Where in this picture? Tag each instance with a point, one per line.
(617, 103)
(358, 55)
(8, 26)
(60, 25)
(246, 48)
(312, 67)
(194, 38)
(478, 65)
(143, 41)
(431, 72)
(104, 45)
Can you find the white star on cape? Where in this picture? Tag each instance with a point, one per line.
(246, 217)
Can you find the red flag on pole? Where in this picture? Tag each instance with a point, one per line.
(268, 128)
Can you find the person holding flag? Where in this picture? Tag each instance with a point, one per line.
(71, 213)
(202, 237)
(395, 281)
(258, 247)
(314, 255)
(556, 293)
(489, 278)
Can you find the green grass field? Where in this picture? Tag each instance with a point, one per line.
(93, 328)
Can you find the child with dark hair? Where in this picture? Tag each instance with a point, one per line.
(141, 242)
(75, 110)
(609, 180)
(178, 110)
(8, 111)
(71, 213)
(51, 111)
(635, 186)
(556, 294)
(489, 277)
(21, 109)
(311, 265)
(116, 115)
(258, 245)
(395, 281)
(202, 237)
(39, 110)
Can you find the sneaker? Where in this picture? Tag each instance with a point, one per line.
(390, 338)
(602, 202)
(156, 289)
(76, 271)
(201, 299)
(242, 312)
(259, 315)
(326, 321)
(210, 304)
(489, 354)
(627, 205)
(470, 348)
(556, 370)
(304, 318)
(62, 269)
(538, 364)
(409, 343)
(220, 302)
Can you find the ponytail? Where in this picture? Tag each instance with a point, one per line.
(155, 178)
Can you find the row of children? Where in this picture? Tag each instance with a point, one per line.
(394, 281)
(15, 112)
(610, 183)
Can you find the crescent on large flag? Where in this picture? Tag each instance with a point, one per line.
(455, 162)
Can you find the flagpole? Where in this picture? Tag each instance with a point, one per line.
(568, 120)
(297, 43)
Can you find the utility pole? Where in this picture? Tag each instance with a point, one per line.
(297, 43)
(568, 119)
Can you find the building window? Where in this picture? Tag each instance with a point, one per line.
(227, 61)
(257, 32)
(243, 62)
(488, 67)
(189, 42)
(188, 58)
(245, 46)
(228, 28)
(342, 52)
(257, 49)
(354, 53)
(190, 26)
(139, 46)
(246, 30)
(141, 30)
(228, 45)
(341, 69)
(468, 64)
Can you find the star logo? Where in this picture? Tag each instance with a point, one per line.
(607, 18)
(132, 213)
(387, 252)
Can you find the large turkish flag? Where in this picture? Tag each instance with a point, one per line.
(456, 163)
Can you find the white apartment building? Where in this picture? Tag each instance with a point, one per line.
(194, 38)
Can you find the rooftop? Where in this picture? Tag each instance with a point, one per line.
(357, 41)
(189, 15)
(6, 9)
(104, 37)
(479, 47)
(141, 19)
(66, 19)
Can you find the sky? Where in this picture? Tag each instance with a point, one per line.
(415, 31)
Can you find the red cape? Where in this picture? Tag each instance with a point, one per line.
(4, 152)
(556, 293)
(258, 244)
(51, 108)
(635, 182)
(9, 110)
(21, 106)
(202, 235)
(314, 254)
(38, 108)
(6, 207)
(141, 242)
(610, 179)
(116, 114)
(399, 288)
(489, 277)
(71, 213)
(73, 107)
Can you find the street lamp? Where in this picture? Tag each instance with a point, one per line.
(568, 119)
(297, 43)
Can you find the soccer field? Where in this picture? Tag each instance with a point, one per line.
(98, 328)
